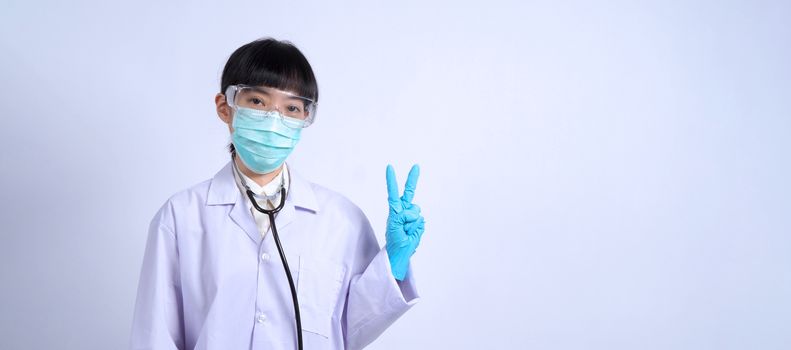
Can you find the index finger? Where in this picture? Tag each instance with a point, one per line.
(392, 187)
(411, 183)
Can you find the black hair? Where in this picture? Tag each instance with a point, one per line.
(273, 63)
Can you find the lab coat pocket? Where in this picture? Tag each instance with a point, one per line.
(318, 287)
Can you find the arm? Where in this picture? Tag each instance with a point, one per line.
(158, 316)
(376, 299)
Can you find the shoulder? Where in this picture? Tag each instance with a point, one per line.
(184, 200)
(191, 196)
(329, 199)
(337, 205)
(348, 221)
(348, 224)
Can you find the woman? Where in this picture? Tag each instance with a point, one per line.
(216, 275)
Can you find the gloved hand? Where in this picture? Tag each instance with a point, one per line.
(404, 223)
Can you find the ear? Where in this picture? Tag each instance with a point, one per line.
(223, 109)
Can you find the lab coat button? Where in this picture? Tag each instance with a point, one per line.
(261, 318)
(265, 257)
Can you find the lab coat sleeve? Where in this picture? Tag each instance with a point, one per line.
(157, 322)
(376, 299)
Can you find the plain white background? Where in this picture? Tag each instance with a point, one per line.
(608, 175)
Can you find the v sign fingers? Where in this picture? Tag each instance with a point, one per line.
(405, 225)
(411, 183)
(392, 190)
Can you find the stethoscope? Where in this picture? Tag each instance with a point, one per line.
(271, 215)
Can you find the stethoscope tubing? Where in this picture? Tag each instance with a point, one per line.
(271, 215)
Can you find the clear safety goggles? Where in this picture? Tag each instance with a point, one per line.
(294, 111)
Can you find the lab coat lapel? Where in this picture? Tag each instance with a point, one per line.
(286, 215)
(223, 191)
(244, 219)
(300, 194)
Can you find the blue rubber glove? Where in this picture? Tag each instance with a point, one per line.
(405, 225)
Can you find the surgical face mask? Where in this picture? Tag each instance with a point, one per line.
(261, 139)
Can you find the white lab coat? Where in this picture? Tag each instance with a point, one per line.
(210, 281)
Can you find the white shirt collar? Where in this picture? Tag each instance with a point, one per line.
(269, 189)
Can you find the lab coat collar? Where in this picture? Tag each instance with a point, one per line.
(223, 190)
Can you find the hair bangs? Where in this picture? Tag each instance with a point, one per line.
(272, 63)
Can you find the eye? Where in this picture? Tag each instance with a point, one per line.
(294, 109)
(255, 101)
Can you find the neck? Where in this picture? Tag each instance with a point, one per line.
(260, 179)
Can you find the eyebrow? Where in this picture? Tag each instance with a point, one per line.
(298, 98)
(261, 91)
